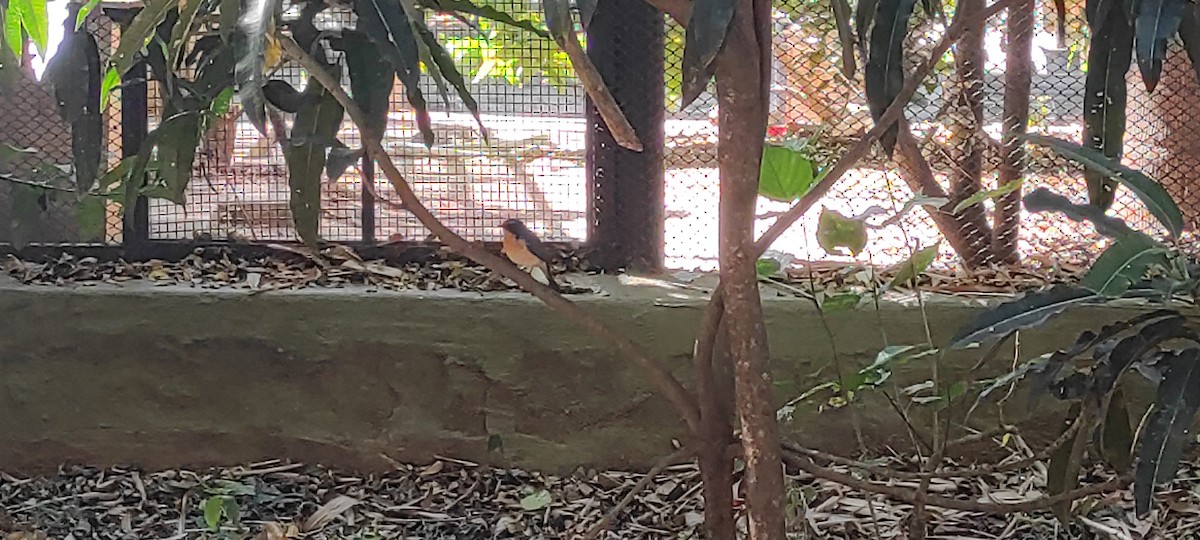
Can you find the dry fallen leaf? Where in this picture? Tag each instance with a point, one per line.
(329, 512)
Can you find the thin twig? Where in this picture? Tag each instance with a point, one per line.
(663, 379)
(637, 488)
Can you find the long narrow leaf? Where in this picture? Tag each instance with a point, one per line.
(31, 14)
(842, 15)
(467, 7)
(313, 134)
(1030, 310)
(445, 65)
(885, 70)
(1168, 426)
(1157, 22)
(181, 35)
(257, 23)
(706, 31)
(1123, 264)
(386, 23)
(371, 78)
(1105, 94)
(1149, 191)
(1189, 33)
(140, 31)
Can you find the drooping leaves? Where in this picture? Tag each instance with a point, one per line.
(257, 24)
(1189, 33)
(140, 31)
(1044, 200)
(835, 231)
(27, 206)
(1116, 435)
(1062, 472)
(75, 74)
(313, 134)
(842, 15)
(917, 263)
(1124, 264)
(1105, 94)
(178, 137)
(341, 157)
(981, 196)
(1113, 361)
(181, 34)
(466, 7)
(558, 18)
(885, 70)
(283, 96)
(388, 26)
(1032, 309)
(587, 10)
(706, 30)
(1157, 22)
(1149, 191)
(864, 17)
(786, 171)
(371, 78)
(30, 17)
(445, 66)
(1167, 428)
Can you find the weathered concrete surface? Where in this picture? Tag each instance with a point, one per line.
(169, 376)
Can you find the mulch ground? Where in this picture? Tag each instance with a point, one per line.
(451, 499)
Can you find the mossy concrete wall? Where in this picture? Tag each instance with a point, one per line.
(170, 376)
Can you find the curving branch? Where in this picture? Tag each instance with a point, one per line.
(660, 377)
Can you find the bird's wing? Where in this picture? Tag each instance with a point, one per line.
(541, 250)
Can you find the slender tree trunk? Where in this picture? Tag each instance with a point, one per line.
(967, 144)
(743, 76)
(1018, 78)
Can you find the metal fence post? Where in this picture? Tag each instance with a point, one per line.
(626, 202)
(134, 127)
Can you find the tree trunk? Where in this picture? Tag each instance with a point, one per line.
(967, 145)
(1018, 78)
(743, 75)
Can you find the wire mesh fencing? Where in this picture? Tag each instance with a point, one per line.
(39, 202)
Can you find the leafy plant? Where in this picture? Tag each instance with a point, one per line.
(1162, 345)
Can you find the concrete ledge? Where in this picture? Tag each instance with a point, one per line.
(170, 376)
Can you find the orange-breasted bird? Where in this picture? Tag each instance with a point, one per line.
(524, 249)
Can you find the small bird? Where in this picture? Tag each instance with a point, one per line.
(524, 249)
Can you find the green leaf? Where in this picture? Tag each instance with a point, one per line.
(537, 500)
(587, 10)
(1189, 33)
(1167, 429)
(10, 153)
(705, 35)
(1032, 309)
(84, 11)
(1157, 22)
(558, 18)
(91, 215)
(9, 64)
(885, 70)
(495, 443)
(27, 209)
(840, 302)
(772, 262)
(176, 153)
(112, 80)
(313, 133)
(915, 265)
(1062, 472)
(140, 31)
(1150, 192)
(213, 508)
(371, 79)
(1123, 264)
(445, 66)
(1116, 435)
(842, 15)
(283, 96)
(257, 23)
(993, 194)
(835, 231)
(485, 11)
(181, 34)
(220, 104)
(1105, 94)
(30, 15)
(864, 17)
(786, 172)
(387, 25)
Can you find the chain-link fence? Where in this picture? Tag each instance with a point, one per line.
(813, 99)
(534, 165)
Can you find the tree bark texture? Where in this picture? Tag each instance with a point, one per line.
(1018, 78)
(967, 143)
(743, 77)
